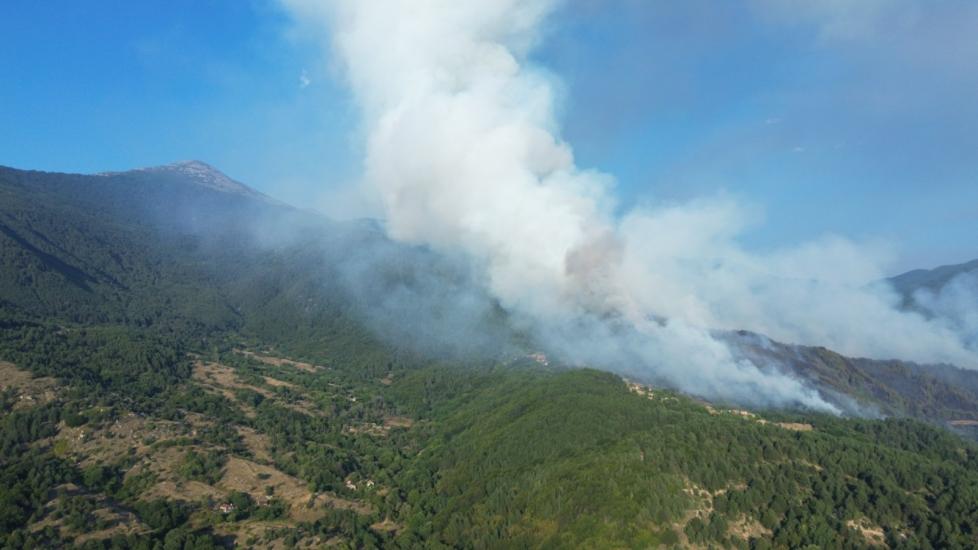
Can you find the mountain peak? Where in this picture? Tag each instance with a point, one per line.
(193, 166)
(202, 174)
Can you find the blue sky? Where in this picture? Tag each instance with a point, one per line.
(853, 118)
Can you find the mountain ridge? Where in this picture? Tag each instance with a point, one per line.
(201, 173)
(223, 226)
(929, 279)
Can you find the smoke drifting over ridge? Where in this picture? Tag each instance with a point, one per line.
(463, 154)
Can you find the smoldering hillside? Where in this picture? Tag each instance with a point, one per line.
(166, 250)
(464, 156)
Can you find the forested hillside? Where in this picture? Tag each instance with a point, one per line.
(185, 364)
(930, 279)
(579, 459)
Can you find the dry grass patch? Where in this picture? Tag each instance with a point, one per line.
(304, 505)
(811, 465)
(274, 531)
(873, 534)
(187, 491)
(398, 422)
(30, 391)
(258, 443)
(279, 383)
(380, 430)
(795, 426)
(279, 361)
(747, 415)
(386, 526)
(113, 519)
(679, 527)
(130, 434)
(747, 528)
(165, 465)
(223, 380)
(120, 522)
(252, 478)
(339, 503)
(704, 507)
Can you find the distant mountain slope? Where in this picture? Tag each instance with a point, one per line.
(161, 247)
(184, 246)
(941, 394)
(74, 250)
(931, 279)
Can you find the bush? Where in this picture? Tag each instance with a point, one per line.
(73, 419)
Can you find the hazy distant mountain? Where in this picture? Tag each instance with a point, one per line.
(183, 244)
(179, 245)
(942, 394)
(930, 279)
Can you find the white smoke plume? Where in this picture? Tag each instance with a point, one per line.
(955, 304)
(463, 154)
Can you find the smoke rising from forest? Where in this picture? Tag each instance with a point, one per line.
(463, 154)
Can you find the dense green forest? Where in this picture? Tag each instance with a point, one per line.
(170, 382)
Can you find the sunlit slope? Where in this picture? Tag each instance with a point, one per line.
(578, 458)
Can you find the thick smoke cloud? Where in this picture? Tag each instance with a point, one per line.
(464, 155)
